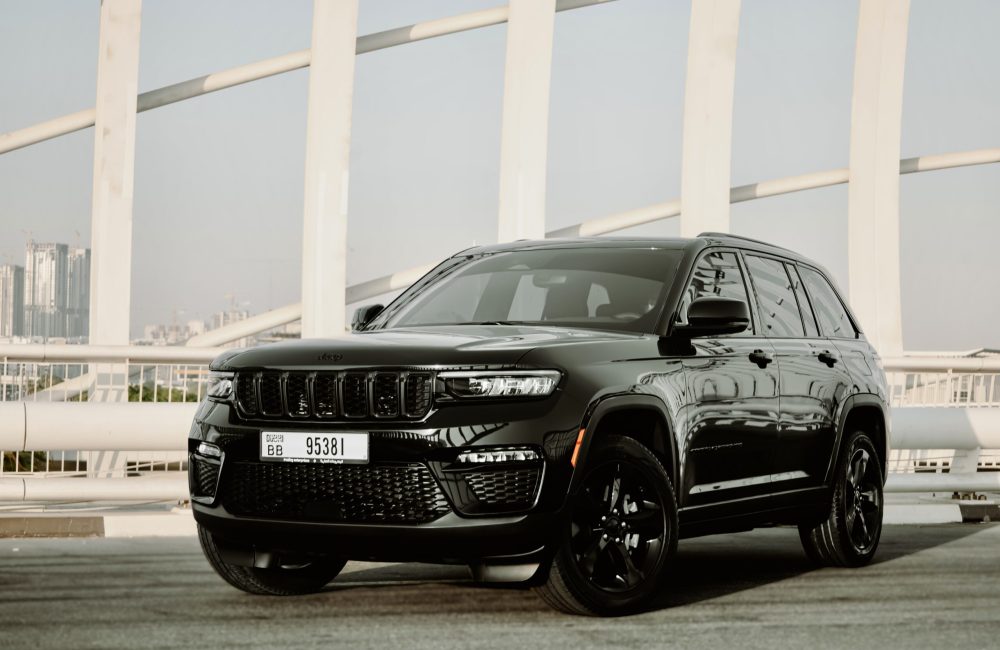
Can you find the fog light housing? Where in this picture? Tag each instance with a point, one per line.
(209, 450)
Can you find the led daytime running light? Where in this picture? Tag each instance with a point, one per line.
(486, 384)
(497, 456)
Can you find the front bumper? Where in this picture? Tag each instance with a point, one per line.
(463, 529)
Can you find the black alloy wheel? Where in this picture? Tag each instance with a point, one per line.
(863, 492)
(622, 531)
(850, 533)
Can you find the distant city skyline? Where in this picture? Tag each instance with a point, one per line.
(219, 180)
(48, 297)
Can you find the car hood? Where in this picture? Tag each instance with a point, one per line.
(429, 346)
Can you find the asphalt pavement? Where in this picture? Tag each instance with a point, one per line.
(933, 586)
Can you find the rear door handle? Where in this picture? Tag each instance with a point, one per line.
(828, 358)
(761, 358)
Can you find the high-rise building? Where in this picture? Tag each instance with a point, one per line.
(11, 300)
(78, 293)
(45, 279)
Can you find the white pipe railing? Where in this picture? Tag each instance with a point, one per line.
(95, 426)
(149, 354)
(145, 488)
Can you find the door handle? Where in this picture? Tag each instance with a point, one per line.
(828, 358)
(761, 358)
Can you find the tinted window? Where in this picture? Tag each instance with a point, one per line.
(779, 310)
(716, 275)
(604, 288)
(803, 300)
(833, 318)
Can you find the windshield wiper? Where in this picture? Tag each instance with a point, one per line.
(492, 322)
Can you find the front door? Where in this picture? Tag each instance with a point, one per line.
(732, 398)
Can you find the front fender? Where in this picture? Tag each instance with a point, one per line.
(666, 443)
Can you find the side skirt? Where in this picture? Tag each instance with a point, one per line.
(738, 515)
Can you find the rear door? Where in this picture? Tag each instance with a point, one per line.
(732, 402)
(813, 377)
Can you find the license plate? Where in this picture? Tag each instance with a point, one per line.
(305, 447)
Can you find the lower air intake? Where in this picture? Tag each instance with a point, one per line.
(402, 493)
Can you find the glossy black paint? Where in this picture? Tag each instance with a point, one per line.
(735, 418)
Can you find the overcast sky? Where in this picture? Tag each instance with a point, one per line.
(218, 183)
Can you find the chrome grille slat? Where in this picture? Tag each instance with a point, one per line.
(334, 395)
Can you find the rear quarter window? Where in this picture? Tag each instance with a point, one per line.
(830, 312)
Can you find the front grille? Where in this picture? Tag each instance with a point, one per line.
(325, 395)
(417, 392)
(355, 395)
(385, 394)
(269, 392)
(204, 476)
(404, 493)
(509, 488)
(297, 395)
(334, 395)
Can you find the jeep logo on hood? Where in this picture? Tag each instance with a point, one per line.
(330, 356)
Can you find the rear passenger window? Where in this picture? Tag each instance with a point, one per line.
(779, 310)
(716, 275)
(833, 318)
(800, 295)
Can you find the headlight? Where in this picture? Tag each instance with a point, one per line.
(219, 385)
(500, 383)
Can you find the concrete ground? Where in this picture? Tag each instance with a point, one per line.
(931, 586)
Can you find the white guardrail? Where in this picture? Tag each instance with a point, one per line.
(128, 442)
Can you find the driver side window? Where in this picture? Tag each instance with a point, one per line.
(716, 275)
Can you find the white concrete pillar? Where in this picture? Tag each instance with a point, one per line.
(708, 116)
(114, 167)
(873, 189)
(328, 148)
(524, 134)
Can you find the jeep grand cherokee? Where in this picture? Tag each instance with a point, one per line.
(557, 413)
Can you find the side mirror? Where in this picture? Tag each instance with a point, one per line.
(713, 316)
(364, 315)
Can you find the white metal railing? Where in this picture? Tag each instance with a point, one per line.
(944, 389)
(123, 385)
(106, 376)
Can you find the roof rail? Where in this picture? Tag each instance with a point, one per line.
(726, 235)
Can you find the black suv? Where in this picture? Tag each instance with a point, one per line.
(556, 413)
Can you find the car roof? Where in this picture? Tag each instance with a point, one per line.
(704, 240)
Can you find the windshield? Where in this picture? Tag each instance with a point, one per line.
(601, 288)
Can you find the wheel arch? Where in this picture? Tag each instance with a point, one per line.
(870, 413)
(643, 418)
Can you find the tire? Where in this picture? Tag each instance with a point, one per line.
(270, 582)
(850, 534)
(619, 538)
